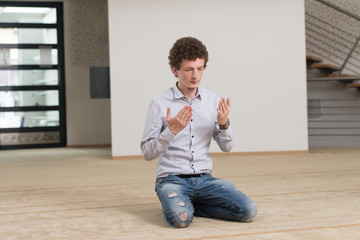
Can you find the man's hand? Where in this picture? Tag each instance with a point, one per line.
(180, 121)
(223, 111)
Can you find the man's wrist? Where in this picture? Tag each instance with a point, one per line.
(225, 126)
(172, 131)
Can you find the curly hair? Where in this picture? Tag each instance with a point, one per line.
(187, 48)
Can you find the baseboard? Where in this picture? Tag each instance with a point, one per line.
(90, 146)
(128, 157)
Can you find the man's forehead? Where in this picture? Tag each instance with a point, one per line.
(199, 62)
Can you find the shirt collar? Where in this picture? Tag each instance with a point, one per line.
(178, 94)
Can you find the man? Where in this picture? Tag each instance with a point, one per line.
(180, 125)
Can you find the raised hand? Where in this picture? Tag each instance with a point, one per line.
(223, 111)
(180, 121)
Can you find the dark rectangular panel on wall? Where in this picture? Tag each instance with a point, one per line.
(99, 82)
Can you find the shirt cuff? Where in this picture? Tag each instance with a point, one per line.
(168, 135)
(225, 132)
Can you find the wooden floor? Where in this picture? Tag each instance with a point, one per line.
(68, 193)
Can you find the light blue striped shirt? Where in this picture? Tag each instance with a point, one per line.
(187, 152)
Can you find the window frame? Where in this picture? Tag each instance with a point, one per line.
(60, 66)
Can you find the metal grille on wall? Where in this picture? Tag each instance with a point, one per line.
(32, 84)
(333, 33)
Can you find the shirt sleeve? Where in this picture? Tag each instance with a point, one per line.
(224, 138)
(156, 136)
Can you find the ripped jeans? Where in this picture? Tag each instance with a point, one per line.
(205, 196)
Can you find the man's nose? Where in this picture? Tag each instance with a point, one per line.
(195, 74)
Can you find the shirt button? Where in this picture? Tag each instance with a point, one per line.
(192, 151)
(191, 120)
(192, 136)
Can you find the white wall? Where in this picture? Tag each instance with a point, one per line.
(257, 58)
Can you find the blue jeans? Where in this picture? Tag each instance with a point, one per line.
(205, 196)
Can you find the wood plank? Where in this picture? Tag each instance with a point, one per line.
(342, 75)
(325, 66)
(353, 85)
(314, 59)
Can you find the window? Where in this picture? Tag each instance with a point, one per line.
(32, 84)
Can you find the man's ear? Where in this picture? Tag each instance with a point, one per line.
(174, 71)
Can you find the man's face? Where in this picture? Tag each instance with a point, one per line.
(190, 73)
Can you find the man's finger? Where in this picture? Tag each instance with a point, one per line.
(221, 105)
(188, 117)
(184, 112)
(168, 114)
(181, 112)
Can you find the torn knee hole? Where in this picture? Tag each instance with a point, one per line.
(181, 204)
(183, 216)
(171, 195)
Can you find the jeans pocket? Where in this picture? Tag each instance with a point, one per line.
(159, 181)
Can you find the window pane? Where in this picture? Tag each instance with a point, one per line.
(28, 35)
(27, 15)
(43, 56)
(29, 138)
(29, 98)
(29, 119)
(29, 77)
